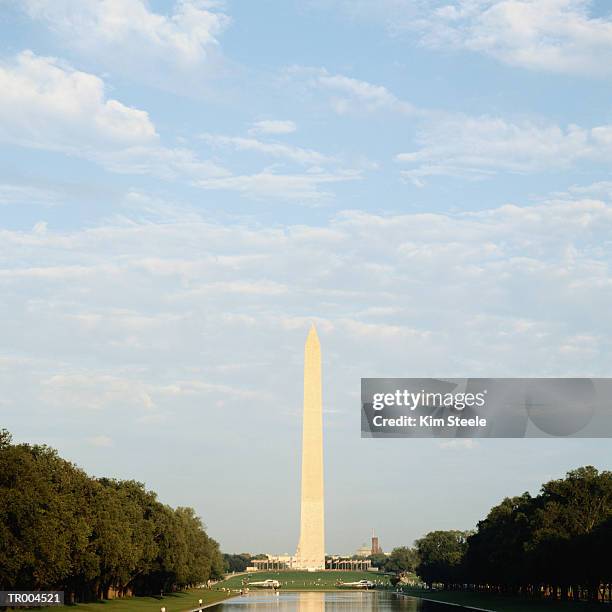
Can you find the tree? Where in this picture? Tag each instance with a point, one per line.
(44, 534)
(441, 555)
(496, 552)
(61, 529)
(402, 560)
(552, 544)
(569, 510)
(236, 563)
(5, 438)
(378, 560)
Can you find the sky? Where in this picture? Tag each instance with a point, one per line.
(185, 186)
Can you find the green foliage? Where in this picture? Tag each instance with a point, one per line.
(378, 560)
(236, 563)
(61, 529)
(557, 543)
(441, 555)
(402, 560)
(5, 438)
(496, 551)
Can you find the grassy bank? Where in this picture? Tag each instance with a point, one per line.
(502, 603)
(173, 602)
(304, 581)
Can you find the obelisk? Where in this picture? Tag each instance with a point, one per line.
(311, 548)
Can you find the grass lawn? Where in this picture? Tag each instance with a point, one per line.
(304, 581)
(501, 603)
(173, 602)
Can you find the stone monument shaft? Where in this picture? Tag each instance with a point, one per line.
(311, 547)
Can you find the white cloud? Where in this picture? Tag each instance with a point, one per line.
(273, 149)
(552, 35)
(601, 189)
(50, 106)
(94, 391)
(352, 95)
(160, 161)
(358, 95)
(40, 227)
(90, 390)
(561, 36)
(300, 174)
(26, 194)
(127, 36)
(475, 291)
(101, 441)
(472, 147)
(477, 147)
(307, 187)
(273, 126)
(458, 444)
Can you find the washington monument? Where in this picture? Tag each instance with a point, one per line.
(311, 547)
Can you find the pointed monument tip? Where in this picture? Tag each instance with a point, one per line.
(312, 334)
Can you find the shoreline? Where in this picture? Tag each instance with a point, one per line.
(493, 602)
(448, 603)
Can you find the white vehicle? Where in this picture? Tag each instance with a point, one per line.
(266, 584)
(359, 584)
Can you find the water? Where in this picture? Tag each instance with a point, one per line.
(336, 600)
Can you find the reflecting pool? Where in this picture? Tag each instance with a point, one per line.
(336, 600)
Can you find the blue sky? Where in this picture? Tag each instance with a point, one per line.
(185, 186)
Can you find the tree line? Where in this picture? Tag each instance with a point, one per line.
(92, 538)
(402, 561)
(556, 544)
(240, 561)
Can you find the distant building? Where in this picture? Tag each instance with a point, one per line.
(287, 562)
(273, 562)
(345, 563)
(363, 551)
(376, 549)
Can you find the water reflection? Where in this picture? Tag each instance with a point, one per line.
(337, 600)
